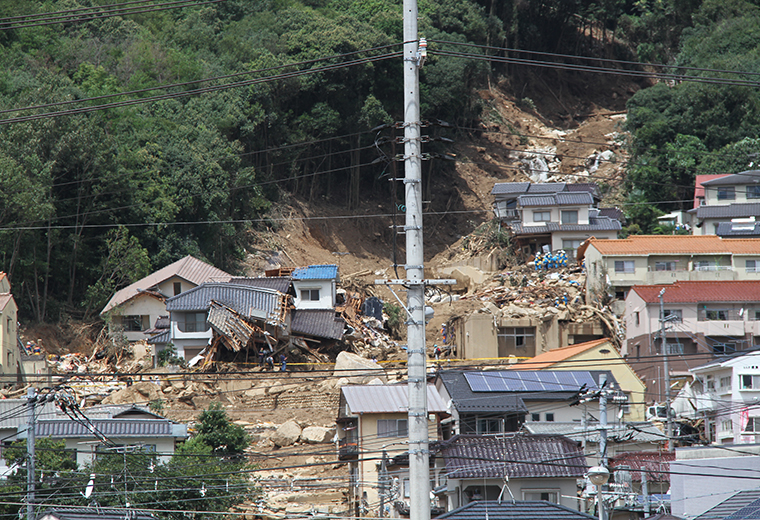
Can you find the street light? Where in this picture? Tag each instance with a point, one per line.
(599, 475)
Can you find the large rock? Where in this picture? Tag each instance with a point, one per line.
(317, 434)
(137, 393)
(287, 434)
(357, 369)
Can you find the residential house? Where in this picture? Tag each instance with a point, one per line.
(699, 190)
(703, 319)
(491, 332)
(614, 266)
(726, 393)
(372, 424)
(703, 477)
(315, 286)
(498, 401)
(552, 215)
(240, 314)
(743, 505)
(533, 467)
(93, 513)
(598, 354)
(9, 351)
(508, 509)
(643, 479)
(130, 426)
(726, 198)
(134, 309)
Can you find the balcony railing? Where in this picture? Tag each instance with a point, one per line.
(348, 448)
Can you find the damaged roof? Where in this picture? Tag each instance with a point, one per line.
(189, 268)
(317, 322)
(251, 302)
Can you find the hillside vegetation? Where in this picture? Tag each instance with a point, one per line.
(243, 106)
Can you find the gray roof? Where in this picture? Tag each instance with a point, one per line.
(94, 513)
(743, 505)
(160, 338)
(556, 199)
(317, 322)
(745, 177)
(737, 210)
(517, 510)
(13, 412)
(612, 213)
(252, 302)
(629, 432)
(387, 398)
(278, 283)
(504, 188)
(114, 428)
(113, 411)
(467, 401)
(727, 229)
(595, 224)
(517, 455)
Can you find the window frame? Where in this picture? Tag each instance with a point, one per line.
(539, 492)
(726, 193)
(569, 216)
(395, 430)
(538, 216)
(193, 325)
(626, 266)
(753, 191)
(673, 312)
(755, 266)
(310, 292)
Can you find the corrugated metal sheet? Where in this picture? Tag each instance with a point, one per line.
(517, 510)
(316, 272)
(387, 398)
(252, 302)
(519, 456)
(317, 322)
(99, 513)
(188, 268)
(66, 428)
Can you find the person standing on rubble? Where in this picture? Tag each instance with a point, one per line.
(261, 357)
(270, 363)
(283, 362)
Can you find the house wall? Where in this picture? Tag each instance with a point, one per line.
(327, 289)
(559, 236)
(164, 445)
(145, 305)
(9, 353)
(460, 490)
(560, 410)
(188, 343)
(740, 195)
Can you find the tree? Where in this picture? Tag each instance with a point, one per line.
(218, 432)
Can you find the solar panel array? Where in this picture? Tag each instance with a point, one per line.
(530, 381)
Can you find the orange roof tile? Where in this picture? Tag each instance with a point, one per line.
(701, 291)
(553, 357)
(640, 245)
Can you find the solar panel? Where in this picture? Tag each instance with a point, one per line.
(529, 381)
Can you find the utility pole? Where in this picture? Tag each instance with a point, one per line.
(419, 454)
(668, 419)
(31, 399)
(602, 440)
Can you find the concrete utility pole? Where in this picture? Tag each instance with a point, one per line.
(31, 399)
(419, 454)
(602, 440)
(666, 368)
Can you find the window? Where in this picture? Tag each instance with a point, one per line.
(549, 417)
(132, 323)
(725, 382)
(716, 314)
(710, 383)
(637, 318)
(726, 426)
(542, 216)
(753, 425)
(535, 417)
(675, 315)
(749, 382)
(570, 216)
(391, 428)
(310, 295)
(194, 322)
(489, 425)
(726, 193)
(571, 245)
(624, 266)
(724, 348)
(753, 266)
(664, 266)
(510, 339)
(753, 192)
(541, 494)
(177, 288)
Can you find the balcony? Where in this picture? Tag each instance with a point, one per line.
(348, 448)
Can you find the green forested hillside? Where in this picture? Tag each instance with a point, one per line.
(130, 140)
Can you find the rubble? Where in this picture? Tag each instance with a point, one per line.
(317, 434)
(287, 434)
(356, 369)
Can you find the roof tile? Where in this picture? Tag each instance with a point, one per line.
(642, 245)
(701, 291)
(552, 357)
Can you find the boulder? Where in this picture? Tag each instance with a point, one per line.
(357, 369)
(287, 434)
(137, 393)
(317, 434)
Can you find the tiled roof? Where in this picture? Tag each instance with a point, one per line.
(278, 283)
(547, 187)
(316, 272)
(387, 398)
(94, 513)
(189, 268)
(743, 505)
(737, 210)
(595, 224)
(589, 187)
(655, 463)
(252, 302)
(629, 432)
(552, 357)
(467, 401)
(503, 188)
(556, 199)
(643, 245)
(728, 229)
(517, 455)
(160, 338)
(701, 291)
(517, 510)
(745, 177)
(13, 412)
(113, 428)
(317, 322)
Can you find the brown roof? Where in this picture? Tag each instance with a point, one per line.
(189, 268)
(655, 463)
(641, 245)
(696, 292)
(552, 357)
